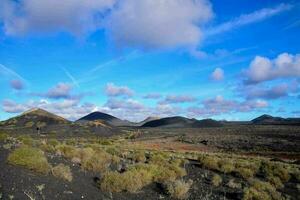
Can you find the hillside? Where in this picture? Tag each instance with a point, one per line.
(48, 123)
(109, 119)
(182, 122)
(270, 120)
(35, 118)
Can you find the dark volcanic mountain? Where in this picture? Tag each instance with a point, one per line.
(106, 118)
(35, 118)
(270, 120)
(148, 119)
(182, 122)
(49, 123)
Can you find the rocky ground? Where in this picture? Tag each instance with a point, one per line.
(16, 182)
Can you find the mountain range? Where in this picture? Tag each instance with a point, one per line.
(99, 121)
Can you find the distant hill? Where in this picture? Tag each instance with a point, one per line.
(109, 119)
(35, 118)
(148, 119)
(182, 122)
(270, 120)
(49, 123)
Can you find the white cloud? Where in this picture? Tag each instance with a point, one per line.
(128, 104)
(264, 69)
(218, 74)
(178, 99)
(219, 105)
(152, 24)
(165, 23)
(61, 90)
(245, 19)
(275, 92)
(35, 16)
(113, 90)
(70, 109)
(17, 84)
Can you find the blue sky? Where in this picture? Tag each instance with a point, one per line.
(230, 60)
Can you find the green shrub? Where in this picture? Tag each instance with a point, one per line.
(139, 156)
(216, 180)
(113, 151)
(226, 166)
(53, 142)
(26, 139)
(47, 148)
(260, 190)
(3, 137)
(30, 158)
(210, 162)
(99, 161)
(66, 150)
(131, 181)
(139, 175)
(158, 158)
(112, 182)
(275, 181)
(29, 124)
(244, 172)
(85, 153)
(296, 173)
(104, 141)
(274, 169)
(71, 142)
(63, 172)
(179, 189)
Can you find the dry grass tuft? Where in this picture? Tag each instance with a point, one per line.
(139, 156)
(98, 161)
(30, 158)
(274, 169)
(63, 172)
(139, 175)
(3, 137)
(131, 181)
(179, 189)
(66, 150)
(261, 191)
(216, 180)
(26, 139)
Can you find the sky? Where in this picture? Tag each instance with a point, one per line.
(226, 60)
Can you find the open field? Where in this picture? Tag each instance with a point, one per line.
(232, 162)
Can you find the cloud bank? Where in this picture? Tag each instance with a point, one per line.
(264, 69)
(113, 90)
(159, 24)
(218, 74)
(34, 16)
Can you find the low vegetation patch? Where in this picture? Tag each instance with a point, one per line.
(131, 181)
(139, 156)
(30, 158)
(97, 163)
(3, 137)
(275, 169)
(67, 151)
(139, 175)
(179, 189)
(92, 157)
(216, 180)
(63, 172)
(26, 139)
(261, 190)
